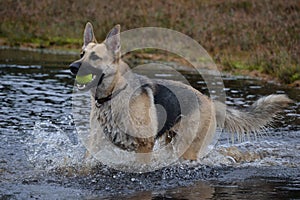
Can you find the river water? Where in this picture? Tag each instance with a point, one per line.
(41, 156)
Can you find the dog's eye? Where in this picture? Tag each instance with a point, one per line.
(82, 54)
(93, 56)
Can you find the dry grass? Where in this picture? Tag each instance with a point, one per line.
(254, 34)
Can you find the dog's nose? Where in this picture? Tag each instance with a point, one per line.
(74, 67)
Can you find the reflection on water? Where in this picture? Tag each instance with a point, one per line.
(39, 148)
(260, 189)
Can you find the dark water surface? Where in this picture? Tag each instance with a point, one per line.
(36, 99)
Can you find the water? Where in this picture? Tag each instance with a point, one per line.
(41, 156)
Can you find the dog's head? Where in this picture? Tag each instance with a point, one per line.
(98, 61)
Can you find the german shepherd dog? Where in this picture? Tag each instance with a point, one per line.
(126, 106)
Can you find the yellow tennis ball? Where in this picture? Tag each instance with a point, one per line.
(84, 79)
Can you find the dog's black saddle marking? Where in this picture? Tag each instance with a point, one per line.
(164, 97)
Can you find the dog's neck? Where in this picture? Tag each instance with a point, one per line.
(118, 80)
(118, 84)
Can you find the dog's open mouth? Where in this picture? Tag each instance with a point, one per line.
(86, 82)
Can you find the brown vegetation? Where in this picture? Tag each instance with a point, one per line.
(262, 35)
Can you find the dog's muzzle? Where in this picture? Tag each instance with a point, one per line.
(74, 67)
(97, 75)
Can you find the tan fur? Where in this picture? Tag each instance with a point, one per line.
(205, 132)
(140, 110)
(140, 115)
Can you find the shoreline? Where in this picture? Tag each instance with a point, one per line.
(63, 50)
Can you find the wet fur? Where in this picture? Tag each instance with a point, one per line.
(132, 119)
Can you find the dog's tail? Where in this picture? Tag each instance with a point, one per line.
(254, 119)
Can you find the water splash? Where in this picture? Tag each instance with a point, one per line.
(267, 151)
(49, 147)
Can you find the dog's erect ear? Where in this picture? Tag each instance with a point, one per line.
(112, 40)
(88, 35)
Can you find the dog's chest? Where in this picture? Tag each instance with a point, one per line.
(110, 123)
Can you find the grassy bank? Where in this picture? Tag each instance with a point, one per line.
(241, 36)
